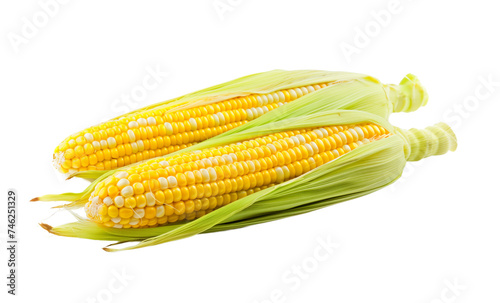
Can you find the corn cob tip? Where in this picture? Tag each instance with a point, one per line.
(431, 141)
(58, 159)
(408, 96)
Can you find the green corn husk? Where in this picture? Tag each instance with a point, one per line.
(359, 172)
(352, 92)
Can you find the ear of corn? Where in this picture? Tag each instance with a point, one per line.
(169, 126)
(356, 93)
(189, 185)
(373, 161)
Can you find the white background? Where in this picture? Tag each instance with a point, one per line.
(407, 243)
